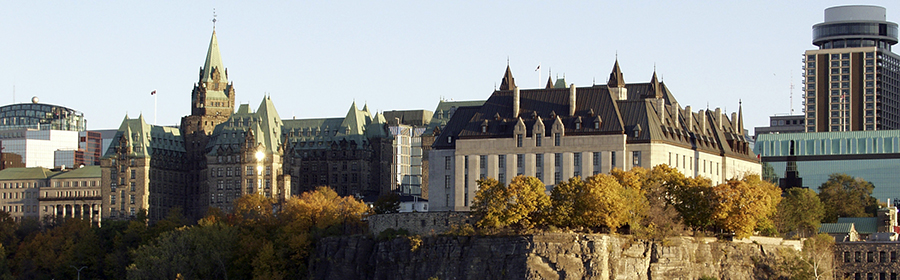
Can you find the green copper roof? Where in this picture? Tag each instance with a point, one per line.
(92, 171)
(213, 61)
(143, 138)
(30, 173)
(836, 228)
(264, 124)
(863, 225)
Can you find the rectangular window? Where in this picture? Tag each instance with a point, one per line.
(519, 140)
(501, 162)
(131, 197)
(446, 163)
(636, 156)
(577, 158)
(612, 159)
(557, 160)
(537, 139)
(596, 160)
(556, 139)
(539, 160)
(501, 177)
(112, 199)
(133, 186)
(556, 177)
(482, 162)
(133, 174)
(520, 160)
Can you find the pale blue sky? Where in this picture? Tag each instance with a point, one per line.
(316, 57)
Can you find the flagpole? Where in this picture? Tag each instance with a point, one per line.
(154, 107)
(539, 74)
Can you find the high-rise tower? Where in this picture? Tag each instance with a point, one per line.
(852, 82)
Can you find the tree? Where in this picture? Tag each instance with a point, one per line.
(845, 196)
(523, 204)
(197, 252)
(818, 252)
(562, 202)
(800, 210)
(600, 203)
(741, 205)
(693, 199)
(386, 204)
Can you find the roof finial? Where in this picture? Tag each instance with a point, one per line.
(214, 19)
(507, 61)
(617, 54)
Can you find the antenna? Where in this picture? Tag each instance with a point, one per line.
(792, 92)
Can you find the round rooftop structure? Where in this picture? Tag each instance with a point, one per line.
(41, 116)
(855, 26)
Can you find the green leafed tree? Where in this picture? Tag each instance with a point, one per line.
(387, 204)
(799, 211)
(845, 196)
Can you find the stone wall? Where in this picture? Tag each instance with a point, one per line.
(421, 223)
(544, 256)
(867, 260)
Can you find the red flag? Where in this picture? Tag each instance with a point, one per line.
(153, 92)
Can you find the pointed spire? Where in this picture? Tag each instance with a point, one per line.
(740, 119)
(213, 62)
(655, 90)
(508, 82)
(616, 79)
(549, 82)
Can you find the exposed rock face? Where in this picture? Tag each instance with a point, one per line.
(544, 256)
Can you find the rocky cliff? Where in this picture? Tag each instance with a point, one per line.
(544, 256)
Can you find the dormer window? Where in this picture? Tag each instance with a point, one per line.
(596, 125)
(484, 126)
(578, 125)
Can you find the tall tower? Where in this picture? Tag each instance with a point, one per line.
(851, 82)
(212, 103)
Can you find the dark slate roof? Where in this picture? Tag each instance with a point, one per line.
(459, 120)
(658, 117)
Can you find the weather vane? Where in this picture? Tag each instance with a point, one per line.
(214, 18)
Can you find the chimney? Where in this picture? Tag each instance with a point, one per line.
(688, 118)
(572, 99)
(733, 122)
(661, 108)
(675, 111)
(718, 118)
(516, 97)
(702, 115)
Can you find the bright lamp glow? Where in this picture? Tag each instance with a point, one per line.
(260, 155)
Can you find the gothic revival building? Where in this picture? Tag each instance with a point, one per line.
(559, 132)
(219, 154)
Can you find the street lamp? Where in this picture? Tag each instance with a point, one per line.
(79, 270)
(260, 156)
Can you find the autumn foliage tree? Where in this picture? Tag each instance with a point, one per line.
(592, 203)
(739, 206)
(521, 205)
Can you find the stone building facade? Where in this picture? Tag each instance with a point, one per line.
(218, 155)
(36, 192)
(556, 133)
(867, 260)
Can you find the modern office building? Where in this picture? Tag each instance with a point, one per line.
(442, 114)
(871, 155)
(40, 116)
(782, 124)
(852, 81)
(407, 127)
(36, 148)
(556, 133)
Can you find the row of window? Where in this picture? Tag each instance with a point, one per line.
(870, 256)
(538, 139)
(229, 172)
(20, 209)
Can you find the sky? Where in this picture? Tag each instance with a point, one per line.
(315, 58)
